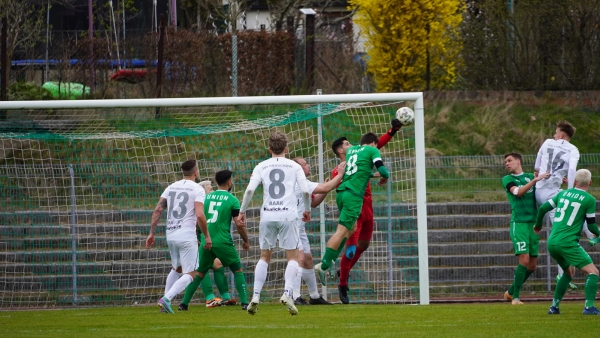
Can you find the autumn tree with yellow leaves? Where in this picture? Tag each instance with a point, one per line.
(412, 45)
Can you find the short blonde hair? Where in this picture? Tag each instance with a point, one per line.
(583, 177)
(277, 142)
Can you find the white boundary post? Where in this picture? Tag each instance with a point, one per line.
(421, 201)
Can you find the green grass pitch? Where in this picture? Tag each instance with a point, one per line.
(273, 320)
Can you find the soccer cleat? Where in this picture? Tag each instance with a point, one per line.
(554, 310)
(594, 241)
(321, 274)
(182, 307)
(244, 307)
(338, 273)
(213, 302)
(517, 301)
(343, 291)
(165, 304)
(571, 285)
(300, 301)
(227, 302)
(591, 311)
(507, 296)
(319, 301)
(253, 306)
(289, 302)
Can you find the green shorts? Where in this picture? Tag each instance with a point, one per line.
(350, 206)
(566, 255)
(227, 254)
(525, 240)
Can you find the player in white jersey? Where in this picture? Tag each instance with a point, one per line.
(558, 157)
(318, 191)
(184, 201)
(278, 216)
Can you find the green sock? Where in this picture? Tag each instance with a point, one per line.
(190, 290)
(519, 278)
(330, 255)
(342, 246)
(207, 288)
(221, 282)
(511, 290)
(561, 288)
(240, 286)
(591, 286)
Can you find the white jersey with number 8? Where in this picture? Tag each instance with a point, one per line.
(181, 214)
(278, 176)
(559, 158)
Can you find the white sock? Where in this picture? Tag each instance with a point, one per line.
(560, 271)
(311, 282)
(297, 285)
(171, 279)
(291, 271)
(179, 286)
(260, 276)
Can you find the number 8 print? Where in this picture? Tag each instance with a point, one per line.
(351, 167)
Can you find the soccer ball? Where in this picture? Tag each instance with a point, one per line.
(405, 115)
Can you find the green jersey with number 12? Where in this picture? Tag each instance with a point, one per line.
(359, 165)
(218, 207)
(572, 207)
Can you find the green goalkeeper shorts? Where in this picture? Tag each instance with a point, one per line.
(227, 254)
(350, 206)
(566, 255)
(525, 240)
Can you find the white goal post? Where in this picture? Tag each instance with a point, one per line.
(99, 164)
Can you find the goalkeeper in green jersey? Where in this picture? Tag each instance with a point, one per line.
(573, 207)
(360, 161)
(220, 208)
(520, 188)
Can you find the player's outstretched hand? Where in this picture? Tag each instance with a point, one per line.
(396, 124)
(306, 216)
(149, 241)
(246, 246)
(383, 181)
(541, 177)
(594, 241)
(208, 244)
(341, 167)
(537, 230)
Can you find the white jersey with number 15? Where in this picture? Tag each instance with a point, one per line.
(278, 176)
(559, 158)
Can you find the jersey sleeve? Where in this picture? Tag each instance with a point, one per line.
(311, 186)
(235, 205)
(200, 195)
(165, 194)
(573, 160)
(383, 140)
(554, 201)
(375, 155)
(334, 172)
(505, 182)
(538, 159)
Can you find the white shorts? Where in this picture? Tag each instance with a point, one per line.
(184, 254)
(286, 231)
(544, 195)
(304, 244)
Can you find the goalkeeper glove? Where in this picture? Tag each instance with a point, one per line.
(594, 241)
(396, 125)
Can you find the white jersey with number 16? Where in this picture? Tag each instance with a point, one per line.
(278, 176)
(559, 158)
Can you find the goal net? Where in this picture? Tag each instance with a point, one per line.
(79, 181)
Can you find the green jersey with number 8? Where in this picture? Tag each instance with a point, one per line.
(572, 208)
(219, 207)
(359, 165)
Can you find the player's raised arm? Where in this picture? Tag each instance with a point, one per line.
(387, 137)
(160, 207)
(254, 182)
(538, 159)
(301, 181)
(327, 186)
(573, 160)
(378, 162)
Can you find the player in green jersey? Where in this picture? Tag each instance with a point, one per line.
(573, 207)
(359, 165)
(221, 207)
(207, 287)
(520, 189)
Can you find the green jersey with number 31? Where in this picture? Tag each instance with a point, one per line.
(359, 165)
(218, 207)
(572, 207)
